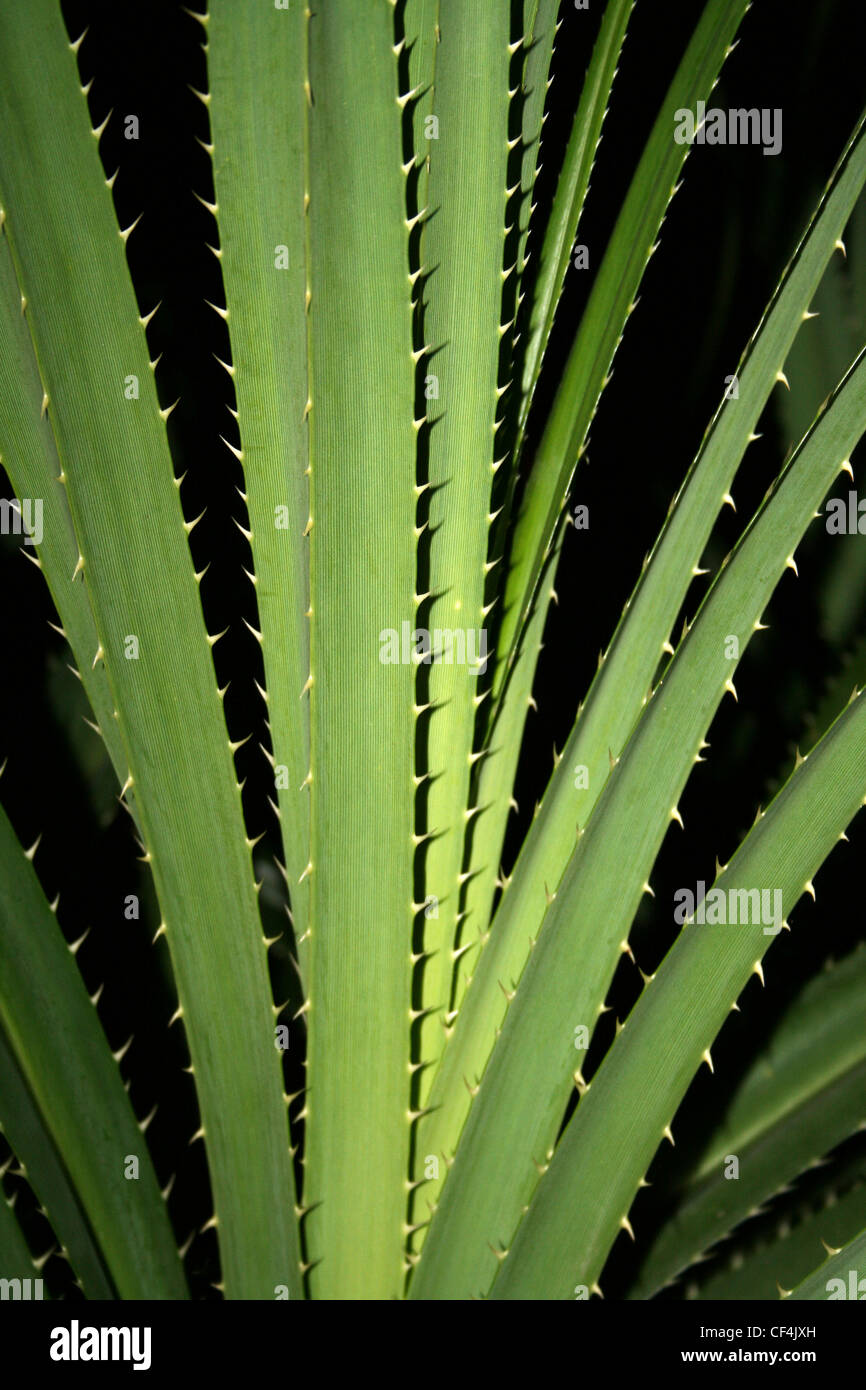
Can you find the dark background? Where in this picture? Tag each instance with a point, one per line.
(726, 238)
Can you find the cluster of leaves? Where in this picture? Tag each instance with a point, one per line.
(407, 425)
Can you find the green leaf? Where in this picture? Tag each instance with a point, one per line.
(617, 694)
(362, 584)
(257, 109)
(15, 1259)
(816, 361)
(463, 248)
(421, 38)
(752, 1265)
(495, 781)
(513, 1121)
(29, 455)
(498, 768)
(582, 1202)
(559, 234)
(539, 34)
(68, 1112)
(799, 1098)
(846, 1268)
(26, 1128)
(610, 303)
(128, 522)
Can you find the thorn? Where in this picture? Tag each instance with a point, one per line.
(124, 236)
(238, 453)
(97, 130)
(143, 1124)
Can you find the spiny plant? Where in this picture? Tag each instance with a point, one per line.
(465, 1123)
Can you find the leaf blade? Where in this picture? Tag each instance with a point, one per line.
(788, 843)
(615, 699)
(51, 1031)
(463, 246)
(257, 112)
(525, 1086)
(357, 1154)
(91, 347)
(607, 310)
(809, 1081)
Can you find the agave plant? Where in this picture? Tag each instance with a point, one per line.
(440, 1109)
